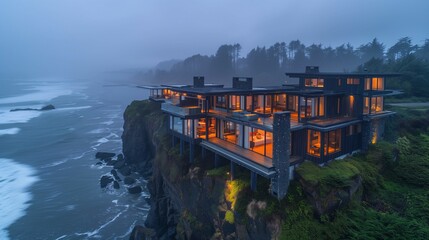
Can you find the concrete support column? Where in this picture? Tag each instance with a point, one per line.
(253, 178)
(216, 160)
(281, 154)
(232, 170)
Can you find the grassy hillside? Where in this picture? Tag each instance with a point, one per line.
(392, 203)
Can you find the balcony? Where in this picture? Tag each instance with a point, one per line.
(180, 111)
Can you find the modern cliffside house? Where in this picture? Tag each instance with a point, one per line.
(270, 130)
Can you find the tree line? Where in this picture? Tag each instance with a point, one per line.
(267, 65)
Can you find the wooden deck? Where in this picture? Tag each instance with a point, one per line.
(246, 158)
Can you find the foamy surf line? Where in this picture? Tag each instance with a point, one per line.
(9, 131)
(15, 179)
(40, 94)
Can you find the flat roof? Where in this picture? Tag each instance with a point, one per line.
(238, 91)
(152, 87)
(340, 74)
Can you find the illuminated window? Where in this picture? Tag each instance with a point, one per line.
(261, 142)
(314, 82)
(332, 142)
(376, 104)
(367, 84)
(313, 143)
(235, 102)
(352, 81)
(377, 84)
(366, 105)
(312, 107)
(374, 83)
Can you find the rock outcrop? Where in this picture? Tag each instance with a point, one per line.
(44, 108)
(186, 203)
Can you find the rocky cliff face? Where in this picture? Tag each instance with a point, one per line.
(186, 203)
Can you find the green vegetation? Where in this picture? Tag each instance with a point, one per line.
(229, 217)
(218, 172)
(141, 108)
(338, 174)
(394, 203)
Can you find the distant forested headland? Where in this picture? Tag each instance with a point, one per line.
(267, 65)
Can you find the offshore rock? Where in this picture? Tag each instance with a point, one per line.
(105, 180)
(116, 185)
(129, 180)
(135, 190)
(47, 107)
(115, 175)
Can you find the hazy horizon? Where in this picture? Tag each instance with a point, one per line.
(51, 37)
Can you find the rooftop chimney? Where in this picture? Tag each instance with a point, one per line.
(198, 82)
(242, 83)
(312, 69)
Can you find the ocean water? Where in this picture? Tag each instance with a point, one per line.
(49, 183)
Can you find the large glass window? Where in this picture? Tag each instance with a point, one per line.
(177, 124)
(249, 102)
(312, 107)
(352, 81)
(377, 84)
(313, 143)
(258, 103)
(279, 103)
(374, 83)
(220, 101)
(314, 82)
(376, 104)
(332, 142)
(261, 142)
(235, 102)
(232, 132)
(267, 106)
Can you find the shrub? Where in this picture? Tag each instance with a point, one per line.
(229, 217)
(413, 169)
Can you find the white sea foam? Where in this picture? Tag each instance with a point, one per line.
(15, 179)
(18, 116)
(99, 130)
(73, 108)
(54, 163)
(41, 94)
(9, 131)
(96, 231)
(110, 122)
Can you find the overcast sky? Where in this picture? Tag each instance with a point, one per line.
(63, 36)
